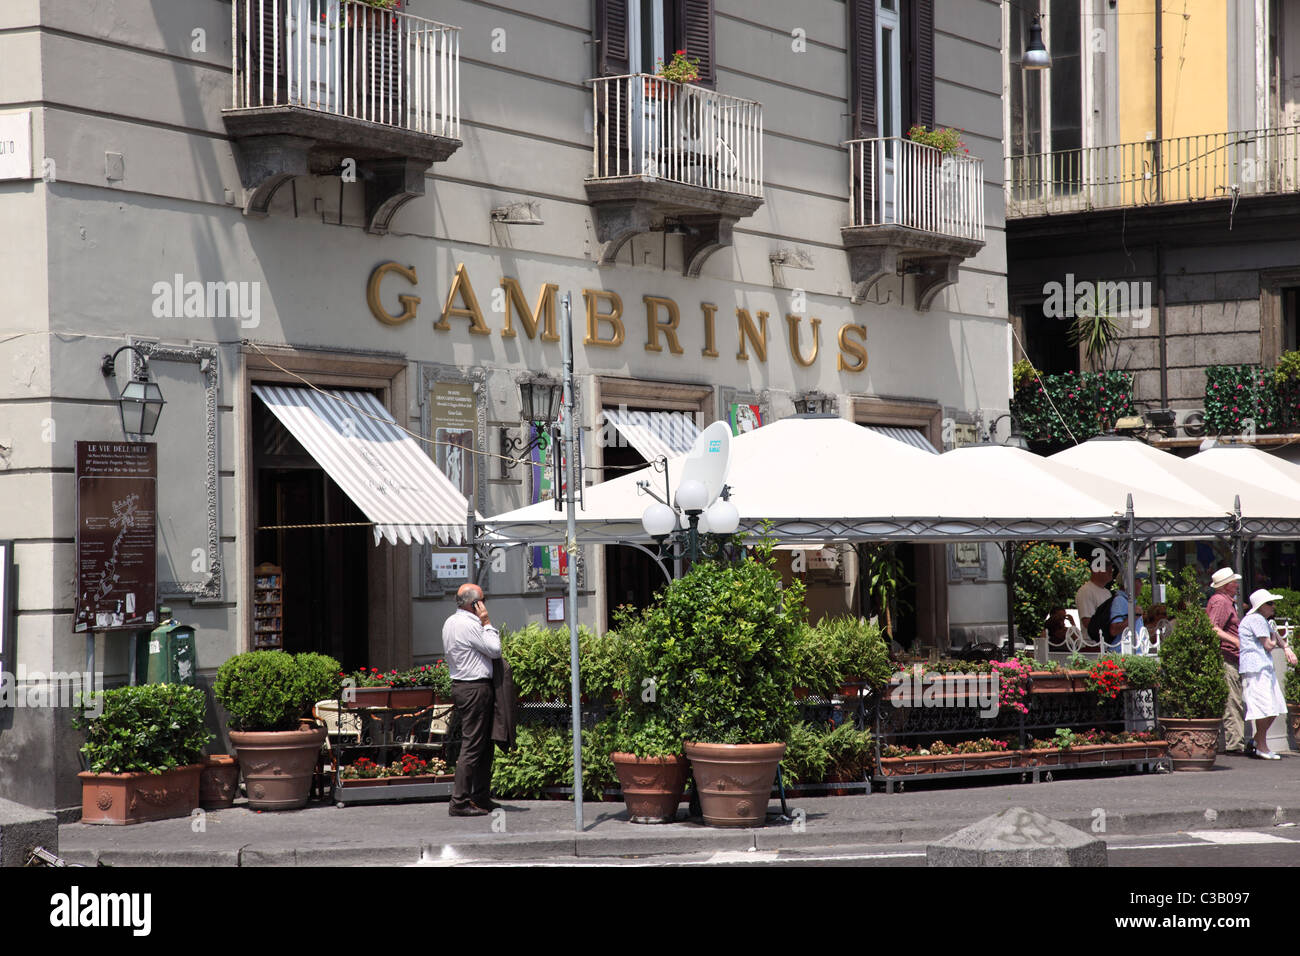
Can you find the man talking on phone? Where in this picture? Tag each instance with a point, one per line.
(470, 643)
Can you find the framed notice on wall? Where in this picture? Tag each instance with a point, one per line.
(117, 535)
(8, 595)
(453, 411)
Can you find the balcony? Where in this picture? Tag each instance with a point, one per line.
(672, 157)
(1185, 169)
(912, 211)
(339, 87)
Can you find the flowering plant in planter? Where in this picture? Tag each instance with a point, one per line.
(948, 141)
(434, 675)
(1106, 678)
(680, 69)
(368, 677)
(1013, 681)
(363, 769)
(979, 746)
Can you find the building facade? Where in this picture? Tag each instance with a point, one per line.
(1159, 155)
(316, 194)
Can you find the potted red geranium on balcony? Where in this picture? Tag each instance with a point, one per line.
(680, 70)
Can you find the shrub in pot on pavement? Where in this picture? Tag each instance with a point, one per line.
(144, 753)
(1192, 691)
(717, 644)
(646, 745)
(268, 696)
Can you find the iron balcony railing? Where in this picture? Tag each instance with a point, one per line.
(350, 59)
(1183, 169)
(653, 128)
(897, 182)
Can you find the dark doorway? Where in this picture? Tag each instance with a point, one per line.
(325, 569)
(1047, 341)
(631, 576)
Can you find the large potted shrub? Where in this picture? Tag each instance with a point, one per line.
(646, 746)
(1192, 691)
(268, 696)
(718, 644)
(144, 752)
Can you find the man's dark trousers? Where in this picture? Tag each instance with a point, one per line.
(473, 700)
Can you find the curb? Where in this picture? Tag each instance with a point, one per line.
(656, 842)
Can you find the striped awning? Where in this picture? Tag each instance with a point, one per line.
(908, 436)
(381, 468)
(655, 433)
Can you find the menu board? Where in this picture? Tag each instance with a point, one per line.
(117, 541)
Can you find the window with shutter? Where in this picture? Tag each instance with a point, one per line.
(921, 50)
(612, 38)
(862, 66)
(694, 34)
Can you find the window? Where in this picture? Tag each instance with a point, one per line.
(632, 35)
(891, 66)
(889, 80)
(1045, 113)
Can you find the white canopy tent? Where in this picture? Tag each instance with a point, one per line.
(828, 479)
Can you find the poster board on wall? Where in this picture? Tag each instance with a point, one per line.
(117, 536)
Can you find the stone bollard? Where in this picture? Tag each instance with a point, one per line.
(22, 829)
(1017, 837)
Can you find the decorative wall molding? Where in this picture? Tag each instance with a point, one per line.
(208, 359)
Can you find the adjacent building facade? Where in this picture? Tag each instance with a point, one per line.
(1160, 154)
(264, 196)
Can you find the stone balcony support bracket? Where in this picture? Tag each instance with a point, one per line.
(275, 144)
(878, 251)
(630, 206)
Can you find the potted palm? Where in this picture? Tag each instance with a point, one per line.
(143, 752)
(1192, 691)
(719, 642)
(268, 696)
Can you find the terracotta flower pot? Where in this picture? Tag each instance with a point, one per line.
(277, 766)
(124, 798)
(734, 781)
(219, 782)
(652, 786)
(1192, 743)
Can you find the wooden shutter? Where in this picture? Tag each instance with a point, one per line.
(862, 67)
(922, 60)
(612, 57)
(694, 34)
(267, 83)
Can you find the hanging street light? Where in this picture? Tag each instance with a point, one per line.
(141, 401)
(1036, 56)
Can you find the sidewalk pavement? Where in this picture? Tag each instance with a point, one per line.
(1238, 793)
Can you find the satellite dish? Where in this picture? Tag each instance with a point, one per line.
(709, 460)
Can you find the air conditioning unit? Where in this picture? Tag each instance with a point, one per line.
(1191, 421)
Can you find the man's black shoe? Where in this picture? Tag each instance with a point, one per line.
(489, 805)
(469, 811)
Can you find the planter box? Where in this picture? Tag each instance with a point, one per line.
(949, 763)
(364, 782)
(368, 697)
(1049, 757)
(119, 799)
(1057, 682)
(411, 698)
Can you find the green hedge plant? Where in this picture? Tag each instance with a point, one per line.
(273, 690)
(1192, 685)
(148, 729)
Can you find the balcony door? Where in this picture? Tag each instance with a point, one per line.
(312, 52)
(889, 85)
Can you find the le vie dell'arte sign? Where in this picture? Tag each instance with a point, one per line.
(607, 320)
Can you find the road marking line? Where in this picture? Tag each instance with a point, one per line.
(1238, 837)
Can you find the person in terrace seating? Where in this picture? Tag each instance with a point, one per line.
(1094, 593)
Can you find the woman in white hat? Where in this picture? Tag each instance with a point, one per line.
(1259, 685)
